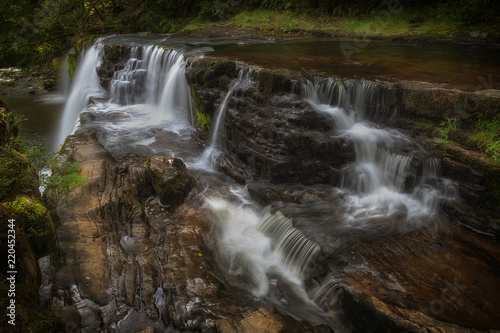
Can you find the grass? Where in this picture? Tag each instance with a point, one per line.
(437, 22)
(487, 138)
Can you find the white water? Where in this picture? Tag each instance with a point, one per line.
(376, 187)
(64, 80)
(155, 76)
(85, 85)
(263, 253)
(212, 154)
(148, 98)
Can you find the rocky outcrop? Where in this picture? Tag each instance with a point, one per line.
(273, 135)
(129, 263)
(442, 289)
(168, 180)
(114, 59)
(427, 280)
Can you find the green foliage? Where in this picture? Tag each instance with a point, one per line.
(32, 31)
(15, 173)
(72, 62)
(21, 165)
(446, 128)
(203, 121)
(16, 29)
(64, 179)
(487, 137)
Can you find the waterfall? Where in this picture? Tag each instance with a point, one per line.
(152, 75)
(218, 130)
(212, 153)
(293, 249)
(155, 76)
(125, 86)
(85, 85)
(378, 184)
(266, 255)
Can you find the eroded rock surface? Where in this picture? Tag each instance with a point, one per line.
(129, 263)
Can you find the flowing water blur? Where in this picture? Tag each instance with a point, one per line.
(380, 186)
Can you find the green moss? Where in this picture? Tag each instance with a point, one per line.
(270, 81)
(84, 43)
(203, 121)
(72, 63)
(33, 216)
(224, 67)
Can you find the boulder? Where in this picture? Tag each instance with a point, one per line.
(169, 180)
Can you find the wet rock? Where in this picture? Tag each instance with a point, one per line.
(442, 290)
(274, 81)
(261, 320)
(460, 171)
(50, 84)
(267, 319)
(128, 263)
(71, 318)
(169, 180)
(149, 329)
(266, 193)
(207, 72)
(114, 59)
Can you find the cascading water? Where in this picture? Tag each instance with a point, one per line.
(149, 94)
(211, 154)
(263, 252)
(64, 80)
(154, 76)
(85, 85)
(378, 185)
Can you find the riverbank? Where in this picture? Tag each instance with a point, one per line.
(386, 24)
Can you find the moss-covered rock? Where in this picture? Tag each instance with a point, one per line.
(33, 214)
(212, 72)
(72, 62)
(418, 99)
(274, 81)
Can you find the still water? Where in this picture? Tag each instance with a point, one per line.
(463, 67)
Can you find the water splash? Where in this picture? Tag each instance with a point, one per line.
(263, 253)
